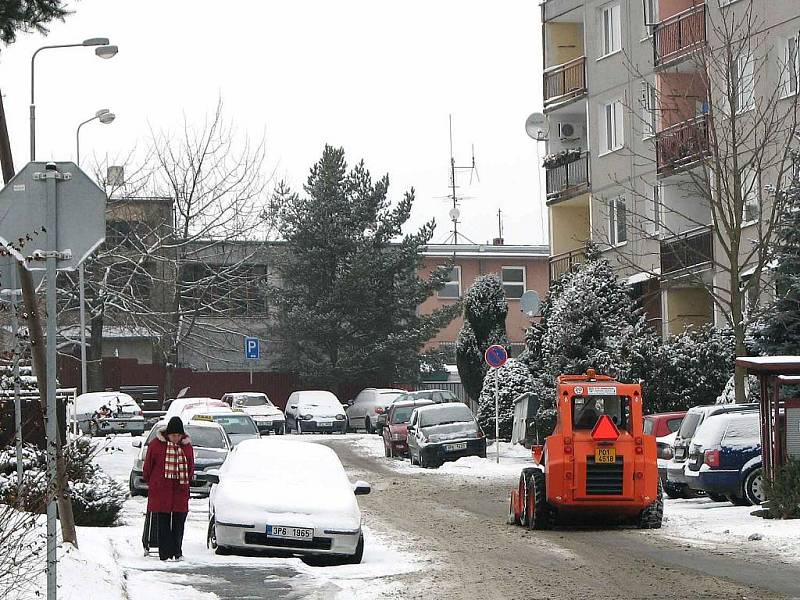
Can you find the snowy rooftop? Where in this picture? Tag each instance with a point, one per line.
(476, 250)
(785, 365)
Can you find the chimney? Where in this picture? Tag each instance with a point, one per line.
(498, 241)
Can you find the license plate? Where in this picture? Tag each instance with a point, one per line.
(325, 424)
(458, 446)
(265, 423)
(292, 533)
(680, 453)
(605, 456)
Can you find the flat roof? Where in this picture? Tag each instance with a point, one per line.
(484, 250)
(778, 365)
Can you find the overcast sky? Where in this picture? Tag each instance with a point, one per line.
(378, 78)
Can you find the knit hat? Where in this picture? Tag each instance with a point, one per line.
(175, 425)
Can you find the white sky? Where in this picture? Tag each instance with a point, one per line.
(375, 77)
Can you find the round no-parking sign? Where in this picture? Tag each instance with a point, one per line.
(495, 356)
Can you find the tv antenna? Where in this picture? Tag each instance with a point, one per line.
(455, 213)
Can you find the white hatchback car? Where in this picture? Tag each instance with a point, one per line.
(268, 417)
(315, 411)
(363, 411)
(302, 504)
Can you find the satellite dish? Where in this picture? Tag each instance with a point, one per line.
(454, 214)
(529, 303)
(535, 126)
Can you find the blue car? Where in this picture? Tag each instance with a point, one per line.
(725, 458)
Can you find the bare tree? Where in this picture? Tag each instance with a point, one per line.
(707, 216)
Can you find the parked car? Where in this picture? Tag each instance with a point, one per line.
(693, 419)
(211, 447)
(394, 424)
(303, 504)
(101, 413)
(663, 424)
(443, 432)
(315, 411)
(437, 396)
(268, 417)
(179, 406)
(238, 426)
(725, 458)
(363, 411)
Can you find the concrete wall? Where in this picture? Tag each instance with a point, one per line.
(564, 42)
(569, 224)
(686, 307)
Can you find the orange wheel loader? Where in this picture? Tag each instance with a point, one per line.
(597, 463)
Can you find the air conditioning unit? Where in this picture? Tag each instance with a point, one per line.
(567, 131)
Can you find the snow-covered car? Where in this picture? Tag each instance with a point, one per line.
(725, 458)
(268, 417)
(395, 426)
(444, 432)
(363, 411)
(302, 504)
(123, 415)
(314, 410)
(211, 447)
(179, 406)
(238, 426)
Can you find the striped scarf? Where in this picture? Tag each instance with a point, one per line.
(175, 466)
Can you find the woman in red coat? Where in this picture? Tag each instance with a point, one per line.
(168, 470)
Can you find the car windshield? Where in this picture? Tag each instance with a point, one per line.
(444, 415)
(689, 425)
(402, 414)
(236, 424)
(254, 400)
(448, 396)
(587, 410)
(206, 437)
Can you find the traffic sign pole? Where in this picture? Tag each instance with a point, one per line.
(497, 414)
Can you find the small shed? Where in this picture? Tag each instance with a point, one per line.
(780, 416)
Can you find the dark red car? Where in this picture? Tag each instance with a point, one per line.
(396, 429)
(663, 424)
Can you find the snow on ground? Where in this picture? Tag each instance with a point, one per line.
(723, 526)
(147, 575)
(513, 458)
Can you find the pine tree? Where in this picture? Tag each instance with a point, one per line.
(485, 311)
(514, 379)
(346, 307)
(28, 15)
(777, 331)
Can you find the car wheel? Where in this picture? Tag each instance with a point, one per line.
(671, 490)
(754, 487)
(539, 512)
(386, 452)
(368, 426)
(717, 497)
(131, 487)
(281, 430)
(411, 458)
(738, 500)
(211, 536)
(355, 559)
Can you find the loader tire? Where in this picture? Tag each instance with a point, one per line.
(539, 512)
(651, 517)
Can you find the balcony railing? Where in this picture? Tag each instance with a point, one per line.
(570, 179)
(681, 144)
(686, 251)
(565, 82)
(561, 263)
(679, 35)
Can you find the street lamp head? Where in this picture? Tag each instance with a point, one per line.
(107, 118)
(106, 51)
(101, 112)
(96, 42)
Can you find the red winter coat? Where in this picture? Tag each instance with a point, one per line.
(166, 495)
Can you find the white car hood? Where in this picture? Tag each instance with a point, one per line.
(259, 503)
(262, 411)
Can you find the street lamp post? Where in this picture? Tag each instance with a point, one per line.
(105, 116)
(103, 50)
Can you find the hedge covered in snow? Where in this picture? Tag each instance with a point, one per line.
(513, 379)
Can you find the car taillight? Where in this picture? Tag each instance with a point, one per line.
(664, 451)
(306, 417)
(140, 413)
(711, 458)
(379, 410)
(480, 433)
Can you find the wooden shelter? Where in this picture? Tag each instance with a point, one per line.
(780, 416)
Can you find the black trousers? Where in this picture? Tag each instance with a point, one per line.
(170, 534)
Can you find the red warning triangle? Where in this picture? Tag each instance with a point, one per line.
(605, 430)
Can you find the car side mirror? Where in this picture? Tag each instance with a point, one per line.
(293, 406)
(410, 430)
(382, 420)
(212, 476)
(361, 488)
(136, 443)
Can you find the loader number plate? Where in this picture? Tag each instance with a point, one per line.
(605, 456)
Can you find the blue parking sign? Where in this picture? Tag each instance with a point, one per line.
(252, 349)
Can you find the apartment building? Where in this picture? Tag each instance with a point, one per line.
(633, 93)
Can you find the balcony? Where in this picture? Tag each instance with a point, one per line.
(692, 250)
(561, 263)
(565, 83)
(678, 36)
(568, 179)
(681, 145)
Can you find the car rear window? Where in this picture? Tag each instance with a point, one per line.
(649, 424)
(236, 424)
(743, 430)
(587, 410)
(402, 414)
(205, 437)
(674, 424)
(254, 400)
(444, 414)
(689, 425)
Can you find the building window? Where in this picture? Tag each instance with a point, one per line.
(650, 16)
(612, 30)
(452, 289)
(790, 66)
(751, 209)
(611, 132)
(745, 83)
(513, 282)
(649, 123)
(656, 209)
(617, 221)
